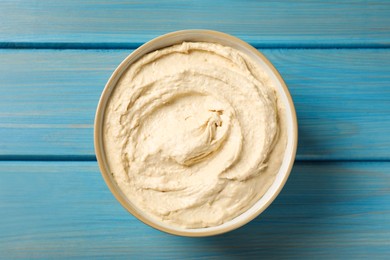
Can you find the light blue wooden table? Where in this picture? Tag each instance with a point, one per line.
(55, 58)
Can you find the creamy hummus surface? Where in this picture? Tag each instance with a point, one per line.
(194, 134)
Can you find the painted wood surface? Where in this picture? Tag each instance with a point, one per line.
(118, 24)
(48, 100)
(334, 56)
(336, 210)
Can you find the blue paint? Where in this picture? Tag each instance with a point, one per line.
(342, 98)
(64, 209)
(334, 57)
(262, 23)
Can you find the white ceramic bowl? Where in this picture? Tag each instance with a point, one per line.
(292, 129)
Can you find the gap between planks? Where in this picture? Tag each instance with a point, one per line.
(134, 45)
(92, 158)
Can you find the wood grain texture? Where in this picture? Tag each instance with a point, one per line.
(75, 23)
(64, 209)
(337, 209)
(48, 100)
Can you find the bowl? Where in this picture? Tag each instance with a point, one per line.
(284, 97)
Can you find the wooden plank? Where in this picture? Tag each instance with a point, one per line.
(123, 23)
(48, 100)
(342, 100)
(64, 209)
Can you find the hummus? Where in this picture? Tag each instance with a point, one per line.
(194, 134)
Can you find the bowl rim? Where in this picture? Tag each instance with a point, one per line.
(99, 120)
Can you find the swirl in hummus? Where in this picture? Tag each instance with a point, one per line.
(194, 134)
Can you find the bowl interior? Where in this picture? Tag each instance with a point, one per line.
(283, 93)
